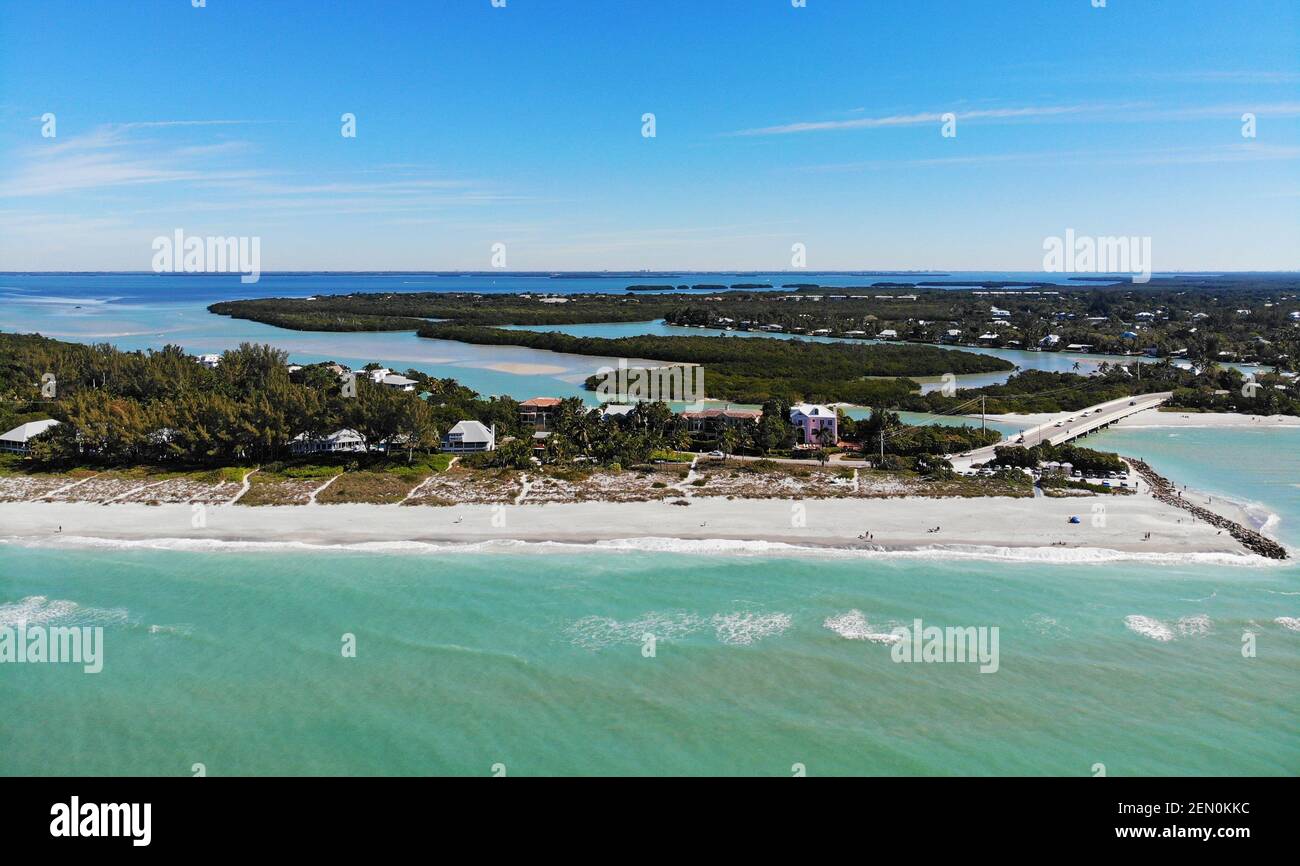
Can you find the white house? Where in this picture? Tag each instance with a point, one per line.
(339, 442)
(210, 361)
(400, 383)
(887, 334)
(810, 420)
(18, 440)
(470, 436)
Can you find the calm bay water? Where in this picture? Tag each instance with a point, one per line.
(148, 311)
(532, 656)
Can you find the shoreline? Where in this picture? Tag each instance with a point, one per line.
(1032, 529)
(1161, 417)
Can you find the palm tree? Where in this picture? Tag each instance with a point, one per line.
(826, 438)
(727, 441)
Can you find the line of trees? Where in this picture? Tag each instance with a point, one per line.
(754, 370)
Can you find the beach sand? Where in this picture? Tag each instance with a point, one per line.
(1021, 528)
(1157, 418)
(526, 369)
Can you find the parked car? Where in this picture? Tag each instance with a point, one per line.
(717, 454)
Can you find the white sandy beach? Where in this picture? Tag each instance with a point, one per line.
(1221, 420)
(1030, 528)
(1160, 418)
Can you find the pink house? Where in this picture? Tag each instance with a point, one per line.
(814, 424)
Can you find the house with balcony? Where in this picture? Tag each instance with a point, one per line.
(345, 441)
(470, 437)
(539, 412)
(814, 425)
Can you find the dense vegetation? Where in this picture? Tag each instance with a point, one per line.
(407, 311)
(127, 407)
(1204, 319)
(751, 371)
(1217, 388)
(1086, 460)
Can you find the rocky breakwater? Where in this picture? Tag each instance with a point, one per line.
(1164, 490)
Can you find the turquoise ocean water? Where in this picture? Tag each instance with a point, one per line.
(532, 656)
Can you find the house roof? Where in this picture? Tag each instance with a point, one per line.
(471, 431)
(752, 414)
(24, 432)
(813, 410)
(542, 402)
(347, 434)
(399, 381)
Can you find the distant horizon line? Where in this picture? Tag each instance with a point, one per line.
(626, 273)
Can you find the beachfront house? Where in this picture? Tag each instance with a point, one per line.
(210, 361)
(345, 441)
(18, 440)
(469, 437)
(539, 412)
(714, 421)
(814, 424)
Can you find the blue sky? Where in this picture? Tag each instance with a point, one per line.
(775, 125)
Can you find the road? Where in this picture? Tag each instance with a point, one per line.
(1068, 425)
